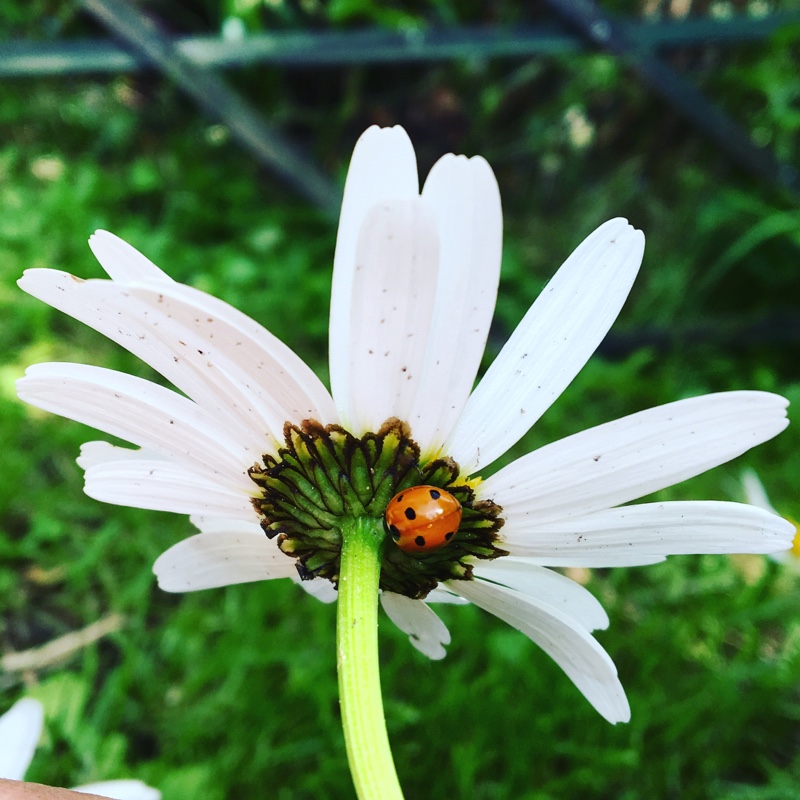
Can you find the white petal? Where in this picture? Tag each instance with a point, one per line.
(441, 594)
(207, 524)
(383, 166)
(391, 313)
(586, 664)
(123, 262)
(164, 486)
(94, 454)
(140, 412)
(111, 309)
(120, 790)
(631, 457)
(320, 588)
(425, 630)
(546, 586)
(20, 729)
(650, 531)
(465, 199)
(754, 491)
(282, 386)
(210, 560)
(618, 559)
(550, 346)
(216, 355)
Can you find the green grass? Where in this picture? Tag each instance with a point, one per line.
(231, 693)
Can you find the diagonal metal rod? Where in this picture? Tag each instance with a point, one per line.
(606, 34)
(212, 94)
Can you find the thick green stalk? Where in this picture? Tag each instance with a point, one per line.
(365, 736)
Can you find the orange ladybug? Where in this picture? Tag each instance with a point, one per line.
(422, 518)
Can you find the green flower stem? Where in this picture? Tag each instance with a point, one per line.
(365, 736)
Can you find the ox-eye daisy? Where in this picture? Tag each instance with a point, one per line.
(20, 731)
(258, 444)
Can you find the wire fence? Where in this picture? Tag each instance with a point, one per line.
(579, 25)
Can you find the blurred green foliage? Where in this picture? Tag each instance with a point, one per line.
(232, 693)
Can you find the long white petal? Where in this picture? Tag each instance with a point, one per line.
(211, 524)
(391, 313)
(441, 594)
(262, 366)
(97, 453)
(550, 345)
(323, 590)
(120, 790)
(320, 588)
(558, 591)
(210, 560)
(618, 559)
(213, 353)
(165, 486)
(140, 412)
(20, 730)
(123, 262)
(631, 457)
(425, 630)
(586, 664)
(465, 199)
(383, 166)
(650, 531)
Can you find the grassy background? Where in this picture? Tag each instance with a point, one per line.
(232, 693)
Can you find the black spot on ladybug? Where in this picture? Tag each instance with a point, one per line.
(398, 498)
(410, 513)
(449, 536)
(435, 494)
(420, 541)
(394, 532)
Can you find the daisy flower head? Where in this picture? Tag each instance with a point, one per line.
(756, 494)
(20, 730)
(256, 444)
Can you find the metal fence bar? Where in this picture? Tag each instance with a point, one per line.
(212, 94)
(684, 96)
(297, 48)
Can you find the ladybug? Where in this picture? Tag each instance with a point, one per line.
(422, 518)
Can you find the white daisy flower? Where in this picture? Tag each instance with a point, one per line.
(756, 494)
(20, 731)
(257, 444)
